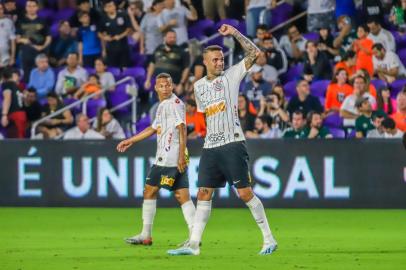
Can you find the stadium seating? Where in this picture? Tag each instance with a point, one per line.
(337, 133)
(319, 88)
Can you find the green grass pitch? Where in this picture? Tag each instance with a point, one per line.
(92, 238)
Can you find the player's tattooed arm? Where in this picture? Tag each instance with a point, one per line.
(250, 49)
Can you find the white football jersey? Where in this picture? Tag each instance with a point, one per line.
(169, 115)
(218, 100)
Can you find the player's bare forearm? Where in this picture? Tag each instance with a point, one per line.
(182, 148)
(146, 133)
(250, 49)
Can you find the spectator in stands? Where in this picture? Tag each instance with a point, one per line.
(263, 129)
(90, 87)
(272, 105)
(176, 18)
(107, 125)
(304, 101)
(293, 43)
(246, 116)
(380, 35)
(346, 35)
(278, 89)
(11, 11)
(337, 91)
(32, 107)
(32, 37)
(256, 87)
(107, 80)
(196, 125)
(215, 8)
(326, 43)
(348, 63)
(387, 65)
(400, 115)
(136, 13)
(16, 77)
(298, 125)
(276, 56)
(83, 6)
(7, 40)
(369, 87)
(320, 13)
(198, 71)
(55, 126)
(398, 15)
(62, 45)
(82, 130)
(349, 110)
(262, 33)
(316, 64)
(114, 29)
(12, 113)
(315, 128)
(384, 102)
(372, 9)
(170, 58)
(363, 48)
(258, 12)
(70, 78)
(269, 73)
(377, 118)
(151, 36)
(391, 131)
(42, 78)
(89, 46)
(363, 123)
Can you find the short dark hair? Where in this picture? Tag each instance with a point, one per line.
(310, 116)
(95, 76)
(191, 102)
(138, 4)
(373, 20)
(74, 53)
(212, 48)
(32, 90)
(298, 112)
(378, 46)
(266, 119)
(79, 2)
(35, 1)
(83, 13)
(348, 55)
(365, 27)
(360, 77)
(388, 123)
(7, 73)
(163, 75)
(311, 42)
(262, 27)
(105, 2)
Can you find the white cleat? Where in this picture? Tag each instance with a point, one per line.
(268, 249)
(186, 250)
(139, 240)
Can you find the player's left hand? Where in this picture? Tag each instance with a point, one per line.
(124, 145)
(182, 164)
(226, 30)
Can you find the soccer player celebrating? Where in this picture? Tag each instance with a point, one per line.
(224, 156)
(170, 167)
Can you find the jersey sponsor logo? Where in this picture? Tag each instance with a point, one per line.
(167, 181)
(159, 130)
(216, 137)
(215, 109)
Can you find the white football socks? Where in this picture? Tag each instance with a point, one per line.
(188, 210)
(202, 215)
(257, 209)
(148, 214)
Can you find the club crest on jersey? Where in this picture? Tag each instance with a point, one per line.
(218, 85)
(215, 109)
(177, 101)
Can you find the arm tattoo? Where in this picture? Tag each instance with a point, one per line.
(250, 49)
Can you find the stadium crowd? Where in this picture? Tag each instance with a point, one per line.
(337, 72)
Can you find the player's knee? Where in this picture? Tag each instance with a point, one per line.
(150, 193)
(245, 194)
(204, 194)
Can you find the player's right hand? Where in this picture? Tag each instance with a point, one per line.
(124, 145)
(226, 30)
